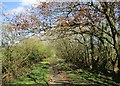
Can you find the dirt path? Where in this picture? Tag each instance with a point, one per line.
(57, 77)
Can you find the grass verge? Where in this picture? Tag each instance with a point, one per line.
(38, 75)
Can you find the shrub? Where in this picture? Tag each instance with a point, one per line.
(70, 50)
(21, 57)
(100, 58)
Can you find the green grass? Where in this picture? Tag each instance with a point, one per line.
(82, 76)
(86, 77)
(40, 73)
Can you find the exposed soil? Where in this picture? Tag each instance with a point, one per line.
(58, 77)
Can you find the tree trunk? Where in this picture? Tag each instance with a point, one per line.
(115, 37)
(118, 54)
(92, 51)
